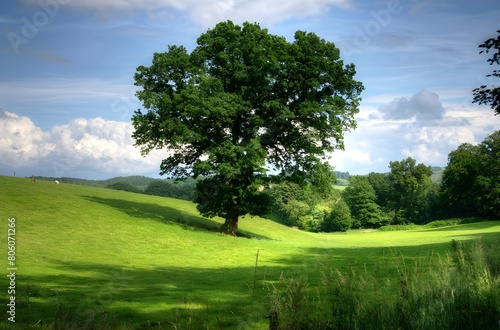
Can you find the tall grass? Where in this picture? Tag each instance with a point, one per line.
(458, 291)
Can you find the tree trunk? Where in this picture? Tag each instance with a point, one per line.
(230, 226)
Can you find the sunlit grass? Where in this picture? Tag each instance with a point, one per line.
(93, 251)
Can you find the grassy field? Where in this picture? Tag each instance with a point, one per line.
(103, 258)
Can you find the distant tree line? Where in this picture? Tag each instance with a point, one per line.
(342, 178)
(137, 184)
(181, 189)
(138, 181)
(165, 188)
(306, 208)
(470, 187)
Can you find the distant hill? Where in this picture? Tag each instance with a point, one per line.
(342, 178)
(137, 181)
(437, 174)
(140, 182)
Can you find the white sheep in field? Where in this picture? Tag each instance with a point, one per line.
(56, 181)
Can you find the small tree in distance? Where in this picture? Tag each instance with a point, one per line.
(410, 185)
(361, 199)
(339, 218)
(241, 103)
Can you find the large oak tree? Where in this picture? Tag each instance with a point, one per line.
(242, 103)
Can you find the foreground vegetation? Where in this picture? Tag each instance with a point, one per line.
(458, 291)
(93, 258)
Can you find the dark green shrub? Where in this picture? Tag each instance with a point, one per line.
(339, 219)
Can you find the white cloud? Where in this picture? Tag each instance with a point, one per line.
(21, 142)
(423, 106)
(354, 160)
(418, 126)
(431, 145)
(103, 148)
(209, 12)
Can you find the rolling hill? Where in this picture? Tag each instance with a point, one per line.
(114, 259)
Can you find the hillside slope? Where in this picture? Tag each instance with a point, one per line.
(87, 254)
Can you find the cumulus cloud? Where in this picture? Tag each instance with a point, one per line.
(417, 126)
(104, 148)
(422, 106)
(355, 159)
(431, 145)
(21, 142)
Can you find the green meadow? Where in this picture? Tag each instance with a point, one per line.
(98, 258)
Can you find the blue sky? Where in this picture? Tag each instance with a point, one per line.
(67, 66)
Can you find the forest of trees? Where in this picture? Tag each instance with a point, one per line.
(469, 187)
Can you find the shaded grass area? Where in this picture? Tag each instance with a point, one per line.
(157, 212)
(92, 258)
(165, 214)
(170, 296)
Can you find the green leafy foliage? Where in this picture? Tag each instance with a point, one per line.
(304, 207)
(410, 186)
(124, 186)
(167, 189)
(291, 202)
(339, 219)
(471, 184)
(361, 198)
(382, 186)
(314, 221)
(485, 94)
(458, 291)
(242, 100)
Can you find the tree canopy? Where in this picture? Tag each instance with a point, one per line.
(242, 103)
(361, 199)
(471, 184)
(410, 185)
(484, 94)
